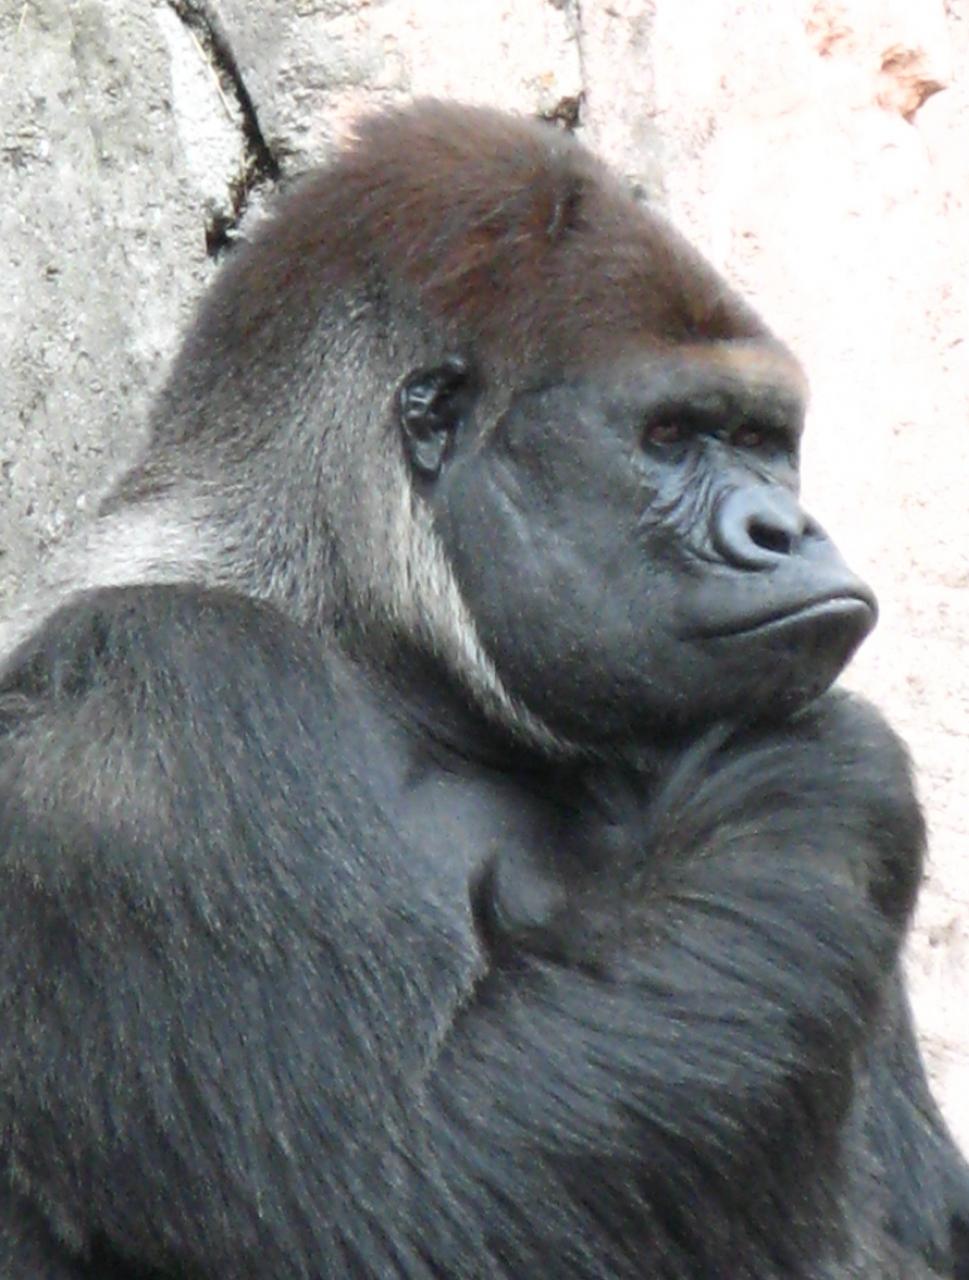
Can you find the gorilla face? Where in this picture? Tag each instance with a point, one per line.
(630, 543)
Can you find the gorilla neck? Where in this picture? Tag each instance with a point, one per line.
(525, 834)
(430, 710)
(427, 727)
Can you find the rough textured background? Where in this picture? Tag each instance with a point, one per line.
(817, 151)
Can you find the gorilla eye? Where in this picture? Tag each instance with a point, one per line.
(663, 433)
(748, 437)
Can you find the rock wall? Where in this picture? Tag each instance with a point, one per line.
(816, 150)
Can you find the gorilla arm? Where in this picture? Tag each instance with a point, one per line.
(215, 978)
(700, 1061)
(924, 1180)
(243, 1036)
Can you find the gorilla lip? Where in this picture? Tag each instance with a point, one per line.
(855, 609)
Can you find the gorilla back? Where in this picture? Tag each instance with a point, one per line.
(430, 844)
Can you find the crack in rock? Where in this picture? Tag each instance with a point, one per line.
(261, 165)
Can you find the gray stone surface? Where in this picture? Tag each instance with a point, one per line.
(816, 150)
(116, 148)
(313, 65)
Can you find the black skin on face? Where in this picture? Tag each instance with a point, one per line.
(648, 565)
(442, 857)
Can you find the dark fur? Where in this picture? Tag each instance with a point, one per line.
(307, 968)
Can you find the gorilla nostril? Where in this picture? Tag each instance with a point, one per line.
(756, 526)
(771, 537)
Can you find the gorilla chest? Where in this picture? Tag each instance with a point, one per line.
(546, 865)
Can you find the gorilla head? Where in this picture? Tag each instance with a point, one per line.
(464, 398)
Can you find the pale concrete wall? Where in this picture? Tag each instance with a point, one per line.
(817, 151)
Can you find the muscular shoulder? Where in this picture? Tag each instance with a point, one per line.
(136, 721)
(156, 642)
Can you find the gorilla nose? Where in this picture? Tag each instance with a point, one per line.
(755, 527)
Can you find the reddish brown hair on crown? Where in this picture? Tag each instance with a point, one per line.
(498, 236)
(508, 234)
(509, 229)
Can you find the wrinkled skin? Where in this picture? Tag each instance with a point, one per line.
(664, 573)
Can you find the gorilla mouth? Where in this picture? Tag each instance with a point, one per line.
(855, 613)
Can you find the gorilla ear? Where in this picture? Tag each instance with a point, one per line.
(431, 405)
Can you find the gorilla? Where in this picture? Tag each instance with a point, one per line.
(431, 845)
